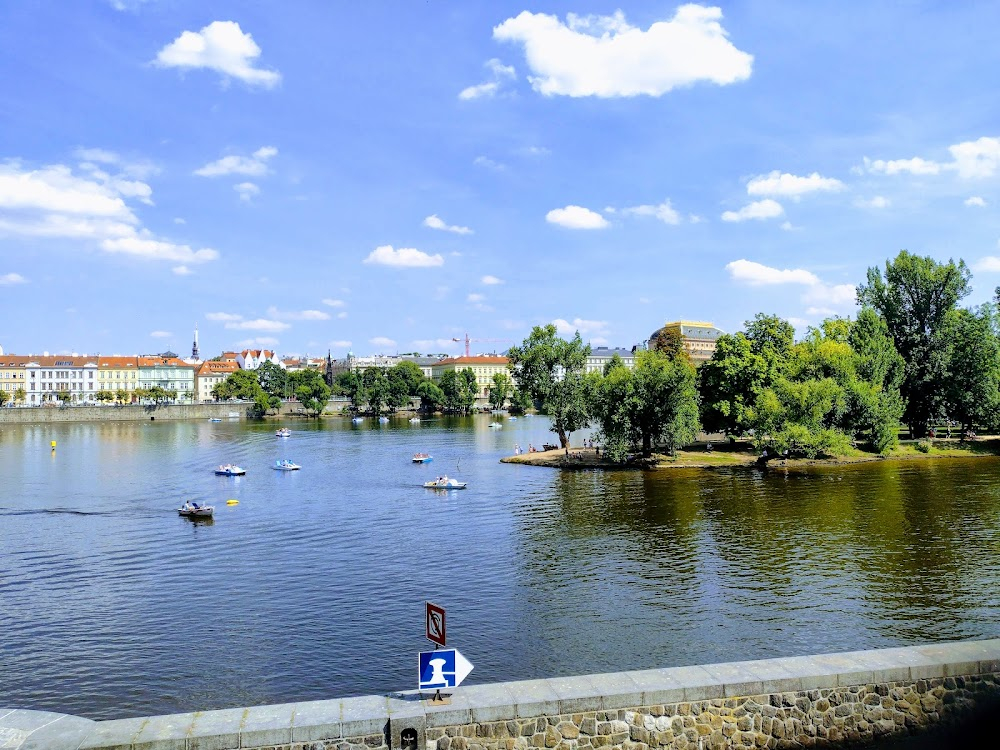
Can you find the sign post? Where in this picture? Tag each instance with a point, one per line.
(442, 669)
(435, 624)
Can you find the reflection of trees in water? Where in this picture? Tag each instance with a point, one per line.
(698, 566)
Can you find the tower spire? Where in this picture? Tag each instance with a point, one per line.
(194, 347)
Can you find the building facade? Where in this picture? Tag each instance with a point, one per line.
(169, 373)
(117, 375)
(698, 338)
(210, 374)
(48, 377)
(484, 367)
(600, 356)
(12, 377)
(251, 359)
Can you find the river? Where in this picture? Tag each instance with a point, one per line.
(313, 586)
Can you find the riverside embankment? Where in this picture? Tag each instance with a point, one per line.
(828, 700)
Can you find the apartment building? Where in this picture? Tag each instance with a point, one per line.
(115, 374)
(210, 374)
(698, 338)
(483, 366)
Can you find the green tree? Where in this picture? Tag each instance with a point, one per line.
(914, 297)
(973, 384)
(500, 389)
(468, 388)
(431, 397)
(4, 397)
(19, 396)
(63, 397)
(411, 374)
(877, 405)
(310, 389)
(349, 384)
(242, 384)
(450, 388)
(274, 380)
(376, 386)
(399, 387)
(520, 401)
(670, 342)
(550, 370)
(121, 396)
(104, 396)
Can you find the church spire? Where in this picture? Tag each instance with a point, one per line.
(194, 347)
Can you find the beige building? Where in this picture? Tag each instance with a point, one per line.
(484, 367)
(210, 374)
(698, 338)
(116, 374)
(12, 374)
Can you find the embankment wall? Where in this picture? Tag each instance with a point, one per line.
(831, 700)
(128, 413)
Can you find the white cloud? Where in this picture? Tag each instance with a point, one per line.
(576, 217)
(664, 212)
(836, 295)
(383, 342)
(99, 155)
(534, 151)
(340, 344)
(879, 201)
(604, 56)
(820, 311)
(756, 274)
(56, 190)
(223, 317)
(978, 158)
(297, 315)
(260, 324)
(490, 280)
(482, 161)
(788, 226)
(161, 334)
(565, 328)
(475, 297)
(179, 220)
(181, 270)
(792, 186)
(257, 341)
(915, 165)
(223, 47)
(254, 165)
(987, 264)
(597, 341)
(975, 200)
(334, 302)
(405, 257)
(434, 222)
(247, 190)
(500, 73)
(765, 209)
(9, 279)
(147, 247)
(341, 315)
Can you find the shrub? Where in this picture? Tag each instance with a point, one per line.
(924, 446)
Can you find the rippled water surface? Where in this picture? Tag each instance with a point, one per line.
(313, 585)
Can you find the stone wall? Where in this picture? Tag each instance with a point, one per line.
(829, 700)
(129, 413)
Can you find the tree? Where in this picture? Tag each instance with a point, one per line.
(104, 396)
(376, 388)
(399, 386)
(310, 389)
(63, 396)
(242, 384)
(455, 387)
(669, 341)
(121, 396)
(411, 375)
(431, 397)
(4, 397)
(19, 396)
(972, 393)
(349, 384)
(274, 380)
(469, 388)
(914, 298)
(880, 366)
(550, 370)
(500, 389)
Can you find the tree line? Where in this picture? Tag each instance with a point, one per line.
(910, 357)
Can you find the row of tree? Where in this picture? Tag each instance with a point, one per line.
(911, 356)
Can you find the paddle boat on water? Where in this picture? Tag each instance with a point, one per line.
(230, 470)
(383, 420)
(445, 483)
(214, 419)
(414, 420)
(282, 432)
(191, 509)
(285, 465)
(496, 425)
(422, 458)
(357, 420)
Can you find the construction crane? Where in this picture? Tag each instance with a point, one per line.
(467, 340)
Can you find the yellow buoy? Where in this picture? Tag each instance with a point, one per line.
(232, 502)
(53, 443)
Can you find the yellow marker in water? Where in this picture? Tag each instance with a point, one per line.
(53, 444)
(232, 502)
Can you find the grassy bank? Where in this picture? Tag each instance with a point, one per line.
(742, 455)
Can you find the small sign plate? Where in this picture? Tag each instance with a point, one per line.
(435, 625)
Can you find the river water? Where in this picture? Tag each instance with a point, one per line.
(313, 586)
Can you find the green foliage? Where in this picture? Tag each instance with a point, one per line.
(376, 386)
(121, 396)
(924, 445)
(310, 389)
(431, 397)
(520, 402)
(914, 298)
(273, 379)
(500, 389)
(242, 384)
(549, 370)
(4, 397)
(800, 441)
(104, 396)
(350, 384)
(459, 389)
(19, 396)
(670, 342)
(399, 387)
(63, 397)
(411, 375)
(972, 389)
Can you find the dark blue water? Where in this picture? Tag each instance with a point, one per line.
(313, 586)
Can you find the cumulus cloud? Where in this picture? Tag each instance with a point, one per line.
(483, 161)
(836, 295)
(405, 257)
(435, 222)
(334, 302)
(915, 165)
(576, 217)
(757, 274)
(476, 297)
(490, 280)
(341, 315)
(247, 190)
(987, 264)
(605, 56)
(222, 317)
(297, 315)
(254, 165)
(161, 334)
(383, 342)
(499, 73)
(223, 47)
(259, 324)
(56, 203)
(9, 279)
(585, 327)
(975, 200)
(878, 201)
(792, 186)
(181, 270)
(664, 212)
(339, 344)
(765, 209)
(978, 158)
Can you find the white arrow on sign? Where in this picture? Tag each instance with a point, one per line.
(462, 667)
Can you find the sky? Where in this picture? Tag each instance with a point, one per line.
(386, 177)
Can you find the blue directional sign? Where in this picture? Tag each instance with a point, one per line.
(442, 669)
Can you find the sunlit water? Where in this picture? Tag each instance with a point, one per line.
(112, 605)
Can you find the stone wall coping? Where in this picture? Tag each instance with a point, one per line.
(361, 716)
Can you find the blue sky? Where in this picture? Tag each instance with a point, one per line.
(386, 177)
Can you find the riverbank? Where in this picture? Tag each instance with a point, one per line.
(741, 455)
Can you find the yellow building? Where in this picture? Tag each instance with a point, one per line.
(484, 367)
(118, 374)
(12, 375)
(698, 338)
